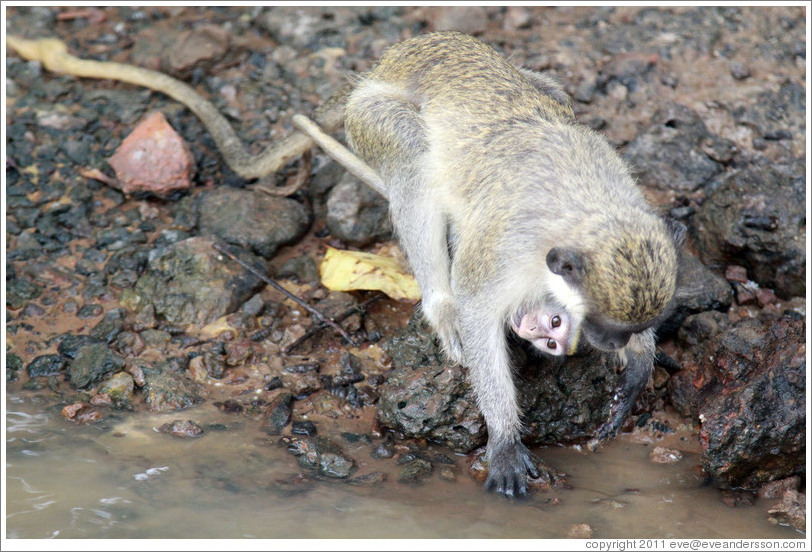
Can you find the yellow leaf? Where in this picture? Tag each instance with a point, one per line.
(353, 270)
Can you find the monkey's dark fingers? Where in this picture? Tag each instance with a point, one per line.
(665, 361)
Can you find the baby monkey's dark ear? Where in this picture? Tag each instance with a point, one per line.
(567, 263)
(677, 230)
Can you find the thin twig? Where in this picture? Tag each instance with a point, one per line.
(316, 313)
(312, 330)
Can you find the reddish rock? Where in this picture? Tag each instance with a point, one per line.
(182, 428)
(202, 44)
(736, 273)
(790, 511)
(662, 455)
(153, 158)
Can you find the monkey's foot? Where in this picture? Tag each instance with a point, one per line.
(508, 468)
(442, 315)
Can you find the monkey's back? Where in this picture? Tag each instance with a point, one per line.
(449, 74)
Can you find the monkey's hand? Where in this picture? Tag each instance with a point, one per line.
(618, 412)
(632, 381)
(508, 468)
(441, 313)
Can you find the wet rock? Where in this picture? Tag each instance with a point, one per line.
(229, 406)
(89, 311)
(447, 473)
(323, 456)
(278, 413)
(734, 499)
(19, 292)
(166, 386)
(253, 220)
(755, 217)
(293, 485)
(92, 363)
(214, 364)
(13, 366)
(182, 428)
(306, 427)
(190, 283)
(662, 455)
(415, 471)
(790, 511)
(567, 401)
(45, 365)
(383, 450)
(70, 344)
(776, 115)
(201, 44)
(776, 489)
(157, 339)
(699, 289)
(669, 154)
(81, 413)
(110, 326)
(129, 344)
(580, 531)
(374, 479)
(154, 159)
(350, 369)
(302, 385)
(424, 397)
(303, 268)
(356, 214)
(746, 386)
(119, 388)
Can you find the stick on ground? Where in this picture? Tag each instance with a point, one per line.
(301, 302)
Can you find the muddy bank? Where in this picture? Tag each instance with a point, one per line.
(118, 303)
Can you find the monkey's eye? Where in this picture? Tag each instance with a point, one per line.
(551, 344)
(555, 322)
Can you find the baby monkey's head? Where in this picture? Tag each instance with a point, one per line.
(550, 329)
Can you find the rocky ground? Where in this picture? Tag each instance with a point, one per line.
(116, 297)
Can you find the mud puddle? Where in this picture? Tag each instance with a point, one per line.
(122, 479)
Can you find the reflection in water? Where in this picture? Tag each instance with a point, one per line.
(122, 479)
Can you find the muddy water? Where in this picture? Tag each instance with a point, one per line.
(122, 479)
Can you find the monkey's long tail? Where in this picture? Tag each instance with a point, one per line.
(53, 54)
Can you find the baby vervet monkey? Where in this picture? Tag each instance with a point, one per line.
(511, 214)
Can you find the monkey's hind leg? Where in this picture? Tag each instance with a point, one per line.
(340, 153)
(384, 126)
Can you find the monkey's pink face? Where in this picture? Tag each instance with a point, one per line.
(549, 332)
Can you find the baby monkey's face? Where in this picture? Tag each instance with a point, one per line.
(550, 331)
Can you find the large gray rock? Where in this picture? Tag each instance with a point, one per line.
(756, 217)
(356, 214)
(253, 220)
(676, 151)
(188, 282)
(426, 397)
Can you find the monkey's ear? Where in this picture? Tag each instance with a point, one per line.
(677, 230)
(567, 263)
